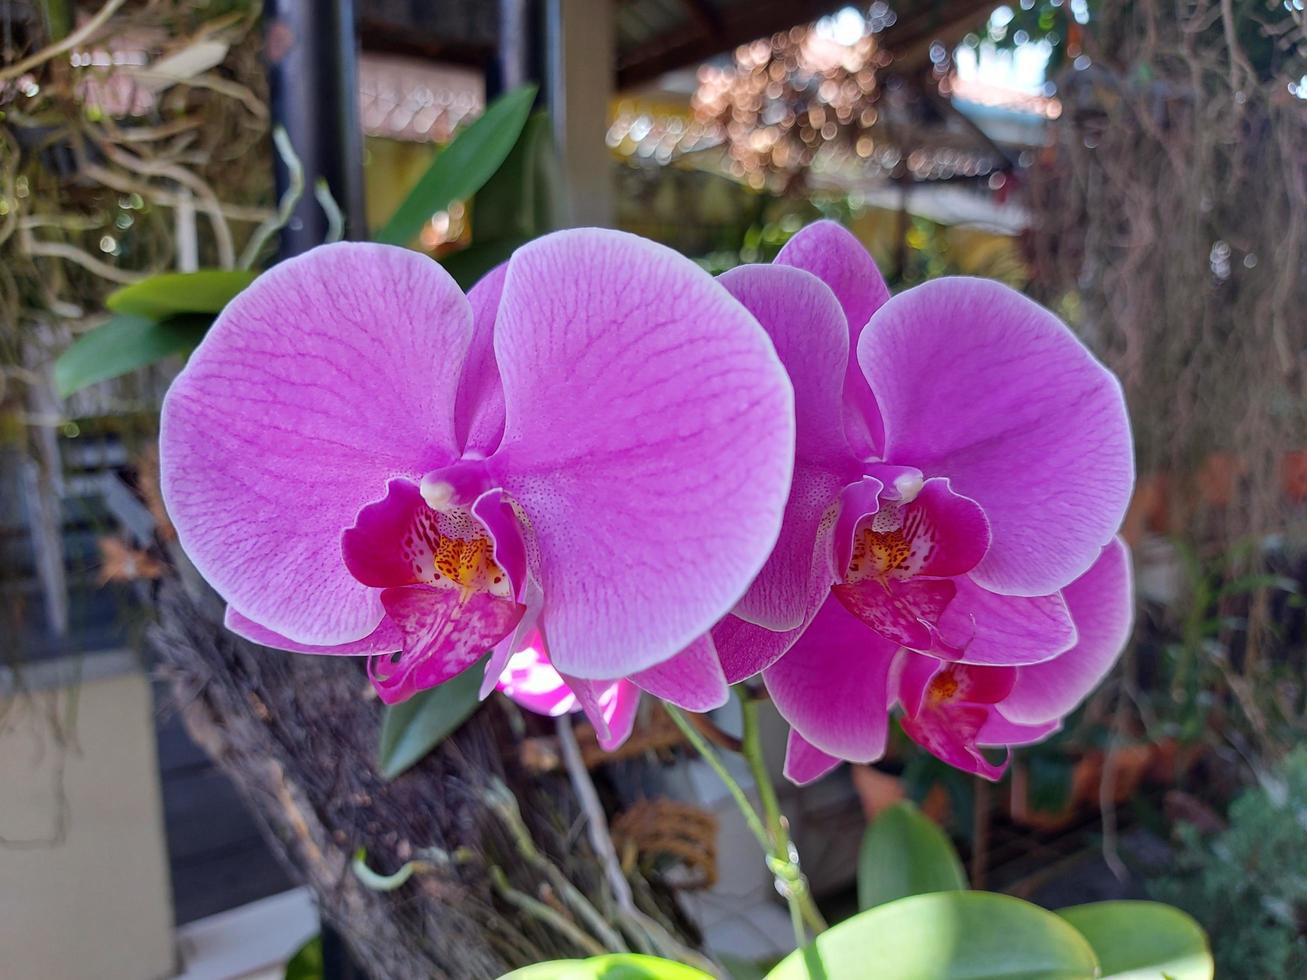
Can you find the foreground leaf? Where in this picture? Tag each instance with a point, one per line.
(171, 293)
(905, 853)
(1138, 940)
(306, 964)
(460, 169)
(618, 966)
(124, 343)
(412, 728)
(946, 936)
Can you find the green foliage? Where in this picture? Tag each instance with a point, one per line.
(170, 293)
(618, 966)
(124, 343)
(462, 167)
(905, 853)
(306, 964)
(946, 936)
(412, 728)
(1248, 885)
(1138, 940)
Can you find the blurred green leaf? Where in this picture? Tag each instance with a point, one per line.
(170, 293)
(412, 728)
(521, 200)
(905, 853)
(462, 167)
(946, 936)
(1139, 940)
(306, 964)
(122, 344)
(617, 966)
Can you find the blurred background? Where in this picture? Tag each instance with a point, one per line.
(1140, 167)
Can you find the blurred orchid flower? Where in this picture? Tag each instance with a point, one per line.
(595, 445)
(531, 681)
(961, 458)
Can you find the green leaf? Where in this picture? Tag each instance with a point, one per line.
(946, 936)
(616, 966)
(1138, 940)
(462, 167)
(165, 295)
(306, 964)
(412, 728)
(905, 853)
(121, 344)
(520, 201)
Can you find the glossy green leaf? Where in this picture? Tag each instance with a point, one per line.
(1143, 940)
(306, 964)
(412, 728)
(122, 344)
(617, 966)
(905, 853)
(462, 167)
(946, 936)
(171, 293)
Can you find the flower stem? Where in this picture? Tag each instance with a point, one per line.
(695, 738)
(773, 837)
(785, 863)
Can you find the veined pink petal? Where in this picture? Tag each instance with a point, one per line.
(610, 707)
(804, 762)
(981, 385)
(386, 638)
(745, 649)
(998, 731)
(904, 611)
(951, 733)
(1101, 604)
(332, 374)
(834, 256)
(832, 686)
(648, 440)
(982, 627)
(445, 631)
(805, 322)
(692, 679)
(479, 409)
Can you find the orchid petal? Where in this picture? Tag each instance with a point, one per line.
(832, 686)
(692, 679)
(648, 441)
(610, 707)
(386, 638)
(479, 407)
(905, 611)
(982, 627)
(746, 649)
(977, 383)
(950, 734)
(805, 322)
(445, 632)
(838, 259)
(804, 762)
(1101, 605)
(331, 374)
(531, 681)
(998, 731)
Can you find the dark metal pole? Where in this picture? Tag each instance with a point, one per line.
(313, 86)
(518, 53)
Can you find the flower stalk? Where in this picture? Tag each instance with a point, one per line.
(770, 829)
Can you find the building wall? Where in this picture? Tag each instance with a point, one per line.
(90, 901)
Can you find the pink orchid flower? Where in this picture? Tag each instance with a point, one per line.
(961, 459)
(531, 681)
(595, 445)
